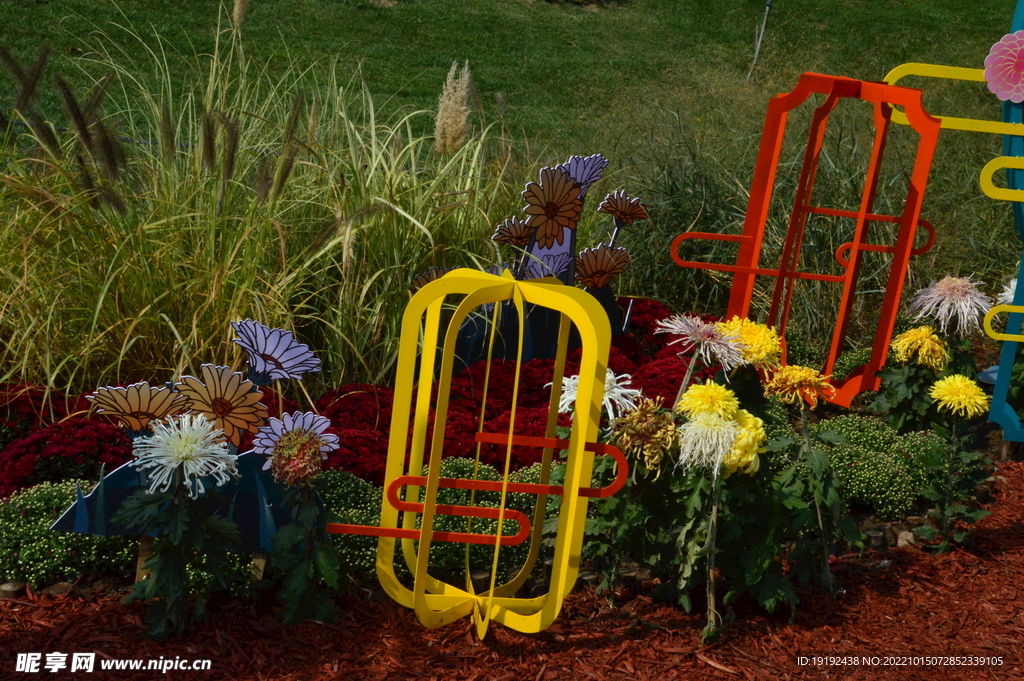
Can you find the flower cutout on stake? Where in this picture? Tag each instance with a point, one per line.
(585, 171)
(421, 280)
(1004, 68)
(553, 205)
(296, 445)
(136, 406)
(548, 266)
(952, 299)
(596, 267)
(618, 396)
(710, 343)
(794, 383)
(189, 444)
(958, 394)
(513, 232)
(227, 398)
(273, 354)
(623, 208)
(921, 343)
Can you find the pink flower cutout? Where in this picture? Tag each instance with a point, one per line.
(1004, 68)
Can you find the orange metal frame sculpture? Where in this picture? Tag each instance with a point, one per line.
(747, 266)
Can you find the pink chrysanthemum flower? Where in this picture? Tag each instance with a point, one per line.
(711, 344)
(1004, 68)
(953, 299)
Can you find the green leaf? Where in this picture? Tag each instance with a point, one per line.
(926, 532)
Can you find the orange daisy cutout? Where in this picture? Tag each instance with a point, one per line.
(595, 267)
(421, 280)
(138, 404)
(227, 398)
(552, 205)
(623, 208)
(513, 232)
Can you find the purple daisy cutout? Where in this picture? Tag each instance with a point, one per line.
(273, 353)
(586, 171)
(308, 422)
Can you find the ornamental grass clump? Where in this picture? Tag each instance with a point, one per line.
(959, 400)
(183, 515)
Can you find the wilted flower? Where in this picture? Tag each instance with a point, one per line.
(296, 446)
(188, 444)
(226, 398)
(553, 206)
(646, 432)
(794, 383)
(273, 353)
(958, 394)
(138, 404)
(761, 343)
(922, 343)
(743, 457)
(705, 440)
(709, 343)
(710, 398)
(949, 298)
(617, 395)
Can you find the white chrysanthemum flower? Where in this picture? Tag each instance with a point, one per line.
(705, 440)
(618, 397)
(953, 299)
(1009, 291)
(711, 344)
(188, 443)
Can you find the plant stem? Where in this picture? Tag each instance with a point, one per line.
(817, 505)
(686, 380)
(714, 621)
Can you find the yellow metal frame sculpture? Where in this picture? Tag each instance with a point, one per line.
(414, 465)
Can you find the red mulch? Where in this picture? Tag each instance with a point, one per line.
(964, 603)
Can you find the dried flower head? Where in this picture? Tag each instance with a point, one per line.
(958, 394)
(227, 398)
(743, 457)
(794, 383)
(296, 445)
(585, 171)
(646, 432)
(922, 344)
(710, 345)
(137, 405)
(761, 343)
(952, 299)
(184, 448)
(273, 354)
(553, 206)
(710, 398)
(623, 208)
(618, 396)
(452, 124)
(596, 267)
(705, 440)
(513, 232)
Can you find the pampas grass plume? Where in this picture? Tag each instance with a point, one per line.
(452, 124)
(239, 14)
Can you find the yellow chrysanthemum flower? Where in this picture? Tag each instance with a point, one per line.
(743, 457)
(958, 394)
(922, 343)
(762, 343)
(793, 383)
(710, 398)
